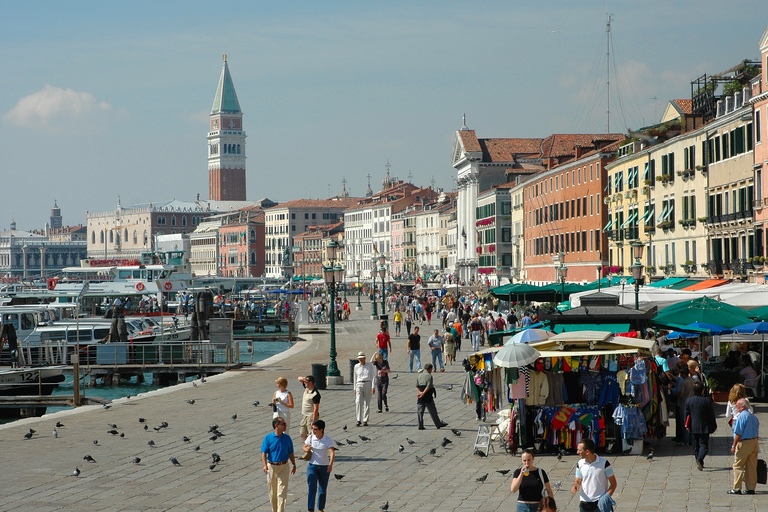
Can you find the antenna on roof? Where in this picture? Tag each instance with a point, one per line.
(410, 176)
(433, 181)
(464, 122)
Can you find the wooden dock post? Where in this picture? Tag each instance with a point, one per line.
(76, 371)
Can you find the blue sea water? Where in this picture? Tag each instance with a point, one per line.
(261, 350)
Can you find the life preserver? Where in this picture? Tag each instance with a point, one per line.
(52, 282)
(168, 285)
(140, 286)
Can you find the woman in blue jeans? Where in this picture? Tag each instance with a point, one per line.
(320, 465)
(531, 483)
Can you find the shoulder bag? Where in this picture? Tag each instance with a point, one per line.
(308, 454)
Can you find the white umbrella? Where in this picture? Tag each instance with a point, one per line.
(530, 336)
(515, 355)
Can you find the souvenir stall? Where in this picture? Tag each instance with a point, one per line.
(576, 385)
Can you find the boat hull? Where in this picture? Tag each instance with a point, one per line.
(28, 382)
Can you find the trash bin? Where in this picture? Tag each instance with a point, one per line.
(352, 363)
(319, 372)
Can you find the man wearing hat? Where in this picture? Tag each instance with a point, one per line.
(364, 389)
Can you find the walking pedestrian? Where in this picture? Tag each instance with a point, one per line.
(383, 342)
(450, 347)
(744, 449)
(408, 321)
(398, 318)
(276, 451)
(363, 389)
(320, 465)
(594, 479)
(282, 402)
(435, 343)
(310, 405)
(414, 349)
(531, 482)
(425, 398)
(701, 422)
(381, 380)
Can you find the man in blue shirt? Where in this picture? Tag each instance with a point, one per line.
(276, 450)
(744, 449)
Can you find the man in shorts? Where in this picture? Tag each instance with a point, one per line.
(310, 406)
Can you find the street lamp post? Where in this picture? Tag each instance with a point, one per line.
(359, 306)
(562, 272)
(374, 313)
(333, 273)
(382, 274)
(637, 268)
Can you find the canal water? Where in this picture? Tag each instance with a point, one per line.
(261, 350)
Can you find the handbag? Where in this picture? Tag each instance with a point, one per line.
(308, 454)
(544, 492)
(762, 472)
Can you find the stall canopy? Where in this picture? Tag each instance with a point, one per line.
(703, 310)
(760, 313)
(703, 285)
(591, 343)
(667, 282)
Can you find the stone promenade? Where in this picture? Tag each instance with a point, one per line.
(36, 472)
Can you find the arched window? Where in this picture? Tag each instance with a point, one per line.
(253, 236)
(238, 149)
(111, 237)
(135, 237)
(146, 239)
(125, 235)
(101, 236)
(184, 220)
(93, 237)
(253, 257)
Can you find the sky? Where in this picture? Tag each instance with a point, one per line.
(108, 100)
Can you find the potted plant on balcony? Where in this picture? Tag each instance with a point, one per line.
(666, 225)
(721, 382)
(689, 267)
(651, 270)
(650, 182)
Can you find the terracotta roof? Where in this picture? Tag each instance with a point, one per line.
(558, 145)
(318, 203)
(554, 146)
(506, 150)
(469, 140)
(684, 106)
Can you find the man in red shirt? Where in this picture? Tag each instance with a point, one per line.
(383, 343)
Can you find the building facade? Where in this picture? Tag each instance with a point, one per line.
(241, 244)
(760, 119)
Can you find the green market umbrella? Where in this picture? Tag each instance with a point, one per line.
(703, 310)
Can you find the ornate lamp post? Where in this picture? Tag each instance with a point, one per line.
(637, 268)
(382, 273)
(562, 272)
(374, 313)
(359, 306)
(332, 274)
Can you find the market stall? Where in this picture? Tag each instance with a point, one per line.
(585, 384)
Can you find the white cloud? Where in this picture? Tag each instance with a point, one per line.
(55, 108)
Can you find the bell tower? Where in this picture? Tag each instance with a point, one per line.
(226, 143)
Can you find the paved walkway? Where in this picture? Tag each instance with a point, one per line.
(36, 472)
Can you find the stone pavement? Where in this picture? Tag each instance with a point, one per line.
(36, 471)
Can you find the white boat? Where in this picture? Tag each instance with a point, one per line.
(28, 381)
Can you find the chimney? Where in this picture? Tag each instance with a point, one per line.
(579, 151)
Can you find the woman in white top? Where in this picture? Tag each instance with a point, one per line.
(320, 465)
(738, 391)
(282, 401)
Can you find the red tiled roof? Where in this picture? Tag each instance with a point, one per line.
(469, 140)
(685, 106)
(318, 203)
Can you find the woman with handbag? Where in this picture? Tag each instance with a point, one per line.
(532, 484)
(320, 451)
(282, 402)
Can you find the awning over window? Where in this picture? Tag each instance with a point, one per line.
(630, 220)
(648, 214)
(645, 172)
(664, 213)
(608, 226)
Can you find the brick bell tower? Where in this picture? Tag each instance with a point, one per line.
(226, 143)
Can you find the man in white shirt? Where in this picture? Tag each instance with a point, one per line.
(594, 478)
(364, 389)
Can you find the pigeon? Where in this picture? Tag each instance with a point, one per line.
(157, 429)
(95, 441)
(106, 406)
(32, 431)
(111, 425)
(385, 506)
(650, 454)
(561, 454)
(344, 427)
(55, 433)
(136, 460)
(191, 402)
(213, 428)
(151, 443)
(213, 438)
(433, 451)
(28, 435)
(445, 442)
(363, 438)
(142, 420)
(216, 458)
(482, 478)
(450, 388)
(349, 441)
(76, 472)
(175, 461)
(234, 417)
(627, 452)
(185, 439)
(503, 471)
(122, 434)
(419, 460)
(480, 454)
(410, 442)
(556, 486)
(256, 403)
(164, 424)
(401, 449)
(194, 384)
(202, 379)
(338, 477)
(59, 424)
(339, 443)
(394, 376)
(197, 448)
(456, 432)
(88, 458)
(146, 427)
(113, 432)
(212, 467)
